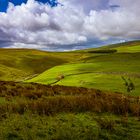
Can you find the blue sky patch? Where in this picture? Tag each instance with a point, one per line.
(4, 3)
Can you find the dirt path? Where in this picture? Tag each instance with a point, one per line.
(135, 75)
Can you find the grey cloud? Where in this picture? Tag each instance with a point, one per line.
(76, 22)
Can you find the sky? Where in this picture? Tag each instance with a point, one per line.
(67, 24)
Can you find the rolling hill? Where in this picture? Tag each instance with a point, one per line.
(21, 64)
(61, 107)
(99, 68)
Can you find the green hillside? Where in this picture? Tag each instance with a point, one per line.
(48, 111)
(20, 64)
(99, 68)
(131, 46)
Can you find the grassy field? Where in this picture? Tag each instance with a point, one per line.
(39, 112)
(99, 70)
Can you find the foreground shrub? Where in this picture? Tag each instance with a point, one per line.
(81, 103)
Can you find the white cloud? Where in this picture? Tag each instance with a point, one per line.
(77, 21)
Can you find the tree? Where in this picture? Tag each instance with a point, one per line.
(128, 84)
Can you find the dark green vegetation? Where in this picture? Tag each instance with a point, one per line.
(38, 100)
(33, 111)
(87, 126)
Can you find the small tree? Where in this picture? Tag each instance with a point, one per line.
(128, 84)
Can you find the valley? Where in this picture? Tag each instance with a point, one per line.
(91, 94)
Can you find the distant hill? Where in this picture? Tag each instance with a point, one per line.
(131, 46)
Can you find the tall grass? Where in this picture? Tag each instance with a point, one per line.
(49, 100)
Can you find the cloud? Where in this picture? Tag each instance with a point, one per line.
(87, 5)
(74, 22)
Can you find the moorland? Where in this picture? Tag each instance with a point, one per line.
(89, 94)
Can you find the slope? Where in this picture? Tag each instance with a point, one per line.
(20, 64)
(102, 70)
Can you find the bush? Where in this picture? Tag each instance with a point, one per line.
(103, 51)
